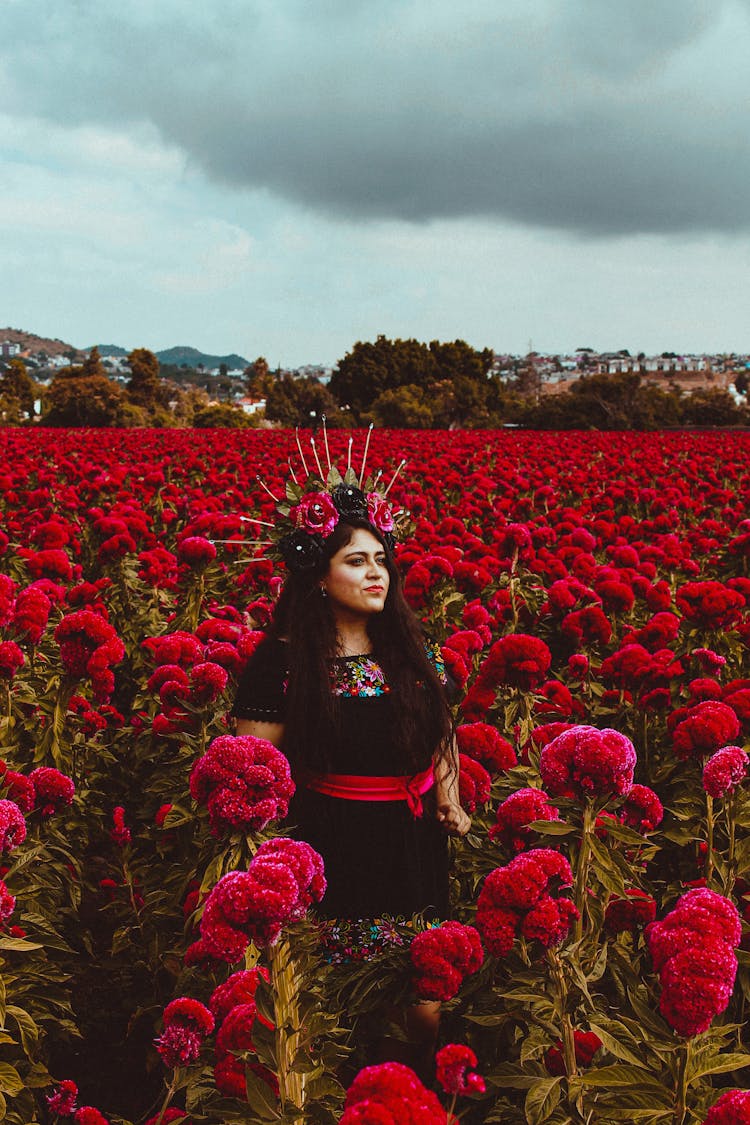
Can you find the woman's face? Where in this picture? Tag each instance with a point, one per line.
(357, 580)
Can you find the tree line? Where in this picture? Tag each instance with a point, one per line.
(393, 383)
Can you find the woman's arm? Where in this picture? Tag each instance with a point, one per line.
(449, 812)
(272, 732)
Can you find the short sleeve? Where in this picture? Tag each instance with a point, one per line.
(261, 692)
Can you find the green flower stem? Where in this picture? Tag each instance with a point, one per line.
(561, 1005)
(681, 1086)
(582, 865)
(169, 1095)
(709, 865)
(449, 1116)
(730, 811)
(285, 985)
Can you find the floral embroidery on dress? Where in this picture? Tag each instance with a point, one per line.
(358, 677)
(345, 940)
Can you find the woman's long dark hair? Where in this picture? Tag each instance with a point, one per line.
(304, 618)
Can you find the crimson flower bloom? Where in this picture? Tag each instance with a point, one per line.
(705, 728)
(724, 771)
(53, 790)
(442, 957)
(521, 898)
(12, 826)
(63, 1100)
(186, 1024)
(474, 784)
(586, 761)
(516, 812)
(245, 782)
(732, 1108)
(453, 1070)
(642, 810)
(629, 914)
(587, 1043)
(486, 745)
(89, 1115)
(390, 1093)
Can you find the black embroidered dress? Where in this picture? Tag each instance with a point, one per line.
(379, 858)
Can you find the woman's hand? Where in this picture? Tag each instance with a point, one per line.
(453, 818)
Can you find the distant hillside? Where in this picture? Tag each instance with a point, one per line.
(33, 344)
(109, 351)
(191, 357)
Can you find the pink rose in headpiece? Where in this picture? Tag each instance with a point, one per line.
(379, 512)
(316, 514)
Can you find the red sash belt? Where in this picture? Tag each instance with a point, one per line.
(352, 787)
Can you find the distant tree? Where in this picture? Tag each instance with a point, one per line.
(220, 415)
(144, 385)
(371, 369)
(223, 370)
(74, 398)
(300, 402)
(18, 391)
(741, 383)
(712, 407)
(258, 379)
(92, 364)
(404, 407)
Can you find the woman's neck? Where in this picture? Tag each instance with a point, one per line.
(352, 639)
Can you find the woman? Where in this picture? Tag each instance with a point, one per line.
(345, 684)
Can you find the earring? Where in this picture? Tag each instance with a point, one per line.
(323, 592)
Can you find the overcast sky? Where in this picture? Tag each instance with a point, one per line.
(285, 177)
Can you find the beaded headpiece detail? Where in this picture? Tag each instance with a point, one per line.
(317, 500)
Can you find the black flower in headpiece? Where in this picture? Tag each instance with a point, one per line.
(301, 551)
(350, 501)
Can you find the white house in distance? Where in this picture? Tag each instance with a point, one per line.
(252, 405)
(8, 350)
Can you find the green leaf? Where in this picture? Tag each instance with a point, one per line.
(19, 944)
(551, 827)
(614, 1046)
(261, 1097)
(619, 1076)
(27, 1027)
(293, 492)
(541, 1100)
(719, 1064)
(10, 1080)
(333, 479)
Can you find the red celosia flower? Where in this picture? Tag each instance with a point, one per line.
(454, 1073)
(485, 744)
(709, 660)
(474, 784)
(732, 1108)
(693, 951)
(229, 1076)
(31, 614)
(63, 1100)
(710, 604)
(172, 1115)
(587, 626)
(522, 888)
(11, 659)
(518, 660)
(12, 826)
(53, 790)
(587, 1043)
(89, 1115)
(120, 832)
(196, 551)
(175, 648)
(706, 727)
(284, 878)
(17, 788)
(89, 646)
(586, 761)
(186, 1024)
(442, 957)
(207, 682)
(516, 812)
(629, 914)
(7, 903)
(642, 809)
(390, 1093)
(724, 771)
(244, 781)
(236, 1032)
(239, 988)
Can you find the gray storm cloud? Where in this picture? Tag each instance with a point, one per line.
(596, 116)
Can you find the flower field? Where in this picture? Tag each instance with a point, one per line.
(159, 959)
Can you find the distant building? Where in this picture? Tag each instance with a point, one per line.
(252, 405)
(9, 350)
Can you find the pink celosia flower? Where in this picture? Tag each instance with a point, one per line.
(442, 957)
(586, 761)
(186, 1024)
(454, 1072)
(724, 771)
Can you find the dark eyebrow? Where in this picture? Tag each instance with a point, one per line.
(353, 554)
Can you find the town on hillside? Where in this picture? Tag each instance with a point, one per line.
(394, 383)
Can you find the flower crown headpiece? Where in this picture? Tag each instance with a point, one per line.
(315, 502)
